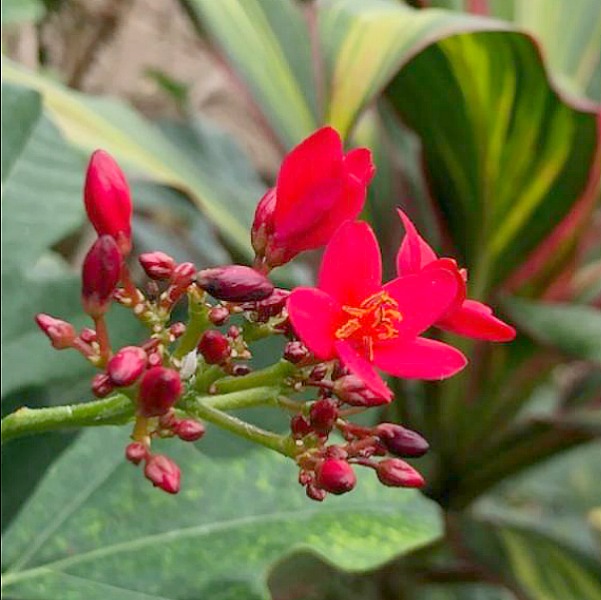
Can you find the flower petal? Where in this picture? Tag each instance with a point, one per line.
(358, 162)
(422, 299)
(314, 316)
(420, 358)
(414, 253)
(363, 369)
(476, 320)
(351, 268)
(315, 161)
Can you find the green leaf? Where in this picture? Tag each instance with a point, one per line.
(575, 330)
(95, 527)
(90, 122)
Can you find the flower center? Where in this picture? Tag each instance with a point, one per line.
(375, 319)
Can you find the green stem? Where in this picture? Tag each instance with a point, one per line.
(260, 396)
(273, 375)
(201, 408)
(115, 410)
(199, 321)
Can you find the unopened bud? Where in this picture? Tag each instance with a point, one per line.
(315, 493)
(108, 200)
(88, 335)
(101, 385)
(263, 224)
(295, 352)
(219, 315)
(335, 476)
(214, 347)
(189, 430)
(177, 329)
(157, 265)
(163, 473)
(318, 372)
(352, 390)
(400, 441)
(394, 472)
(240, 370)
(136, 452)
(323, 415)
(126, 366)
(300, 427)
(270, 307)
(234, 283)
(100, 275)
(60, 333)
(160, 389)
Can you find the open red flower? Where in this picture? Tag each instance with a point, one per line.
(469, 318)
(318, 188)
(353, 317)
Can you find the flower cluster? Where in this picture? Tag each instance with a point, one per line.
(339, 335)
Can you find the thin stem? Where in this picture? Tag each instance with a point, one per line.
(115, 410)
(199, 321)
(274, 375)
(200, 408)
(102, 337)
(259, 396)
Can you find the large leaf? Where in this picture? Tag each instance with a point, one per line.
(94, 528)
(91, 122)
(575, 330)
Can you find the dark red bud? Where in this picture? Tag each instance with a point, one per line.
(263, 224)
(136, 452)
(233, 332)
(400, 441)
(323, 415)
(219, 315)
(352, 390)
(60, 333)
(177, 329)
(318, 372)
(108, 200)
(295, 352)
(100, 275)
(336, 452)
(101, 385)
(315, 493)
(335, 476)
(300, 427)
(270, 307)
(157, 265)
(126, 366)
(235, 283)
(214, 347)
(163, 473)
(339, 371)
(241, 370)
(160, 389)
(189, 430)
(394, 472)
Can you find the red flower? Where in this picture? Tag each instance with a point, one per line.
(466, 317)
(353, 317)
(318, 188)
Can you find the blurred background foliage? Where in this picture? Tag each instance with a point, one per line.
(484, 120)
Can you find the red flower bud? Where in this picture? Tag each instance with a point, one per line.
(394, 472)
(157, 265)
(263, 225)
(300, 427)
(126, 366)
(177, 329)
(189, 430)
(101, 385)
(163, 473)
(400, 441)
(352, 390)
(100, 275)
(219, 315)
(318, 372)
(270, 307)
(335, 476)
(181, 278)
(323, 415)
(295, 352)
(235, 283)
(88, 335)
(107, 199)
(136, 452)
(241, 370)
(315, 493)
(160, 389)
(60, 333)
(214, 347)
